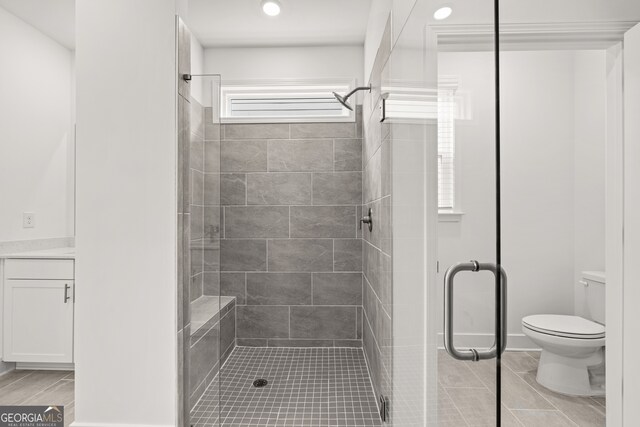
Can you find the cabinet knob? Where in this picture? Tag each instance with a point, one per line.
(66, 292)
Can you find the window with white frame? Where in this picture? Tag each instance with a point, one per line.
(446, 145)
(445, 106)
(278, 101)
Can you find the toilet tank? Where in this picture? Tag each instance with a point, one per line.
(590, 296)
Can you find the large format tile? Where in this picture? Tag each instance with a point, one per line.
(300, 155)
(278, 288)
(203, 356)
(256, 131)
(233, 189)
(233, 285)
(478, 407)
(17, 392)
(337, 288)
(300, 255)
(243, 156)
(453, 373)
(262, 321)
(323, 322)
(516, 393)
(323, 221)
(372, 179)
(60, 393)
(323, 130)
(243, 255)
(256, 221)
(581, 410)
(542, 418)
(347, 255)
(347, 154)
(279, 189)
(337, 188)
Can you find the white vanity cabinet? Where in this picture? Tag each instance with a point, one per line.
(38, 308)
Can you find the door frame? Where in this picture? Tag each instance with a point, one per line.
(606, 37)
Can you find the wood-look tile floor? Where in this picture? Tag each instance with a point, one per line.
(466, 396)
(24, 387)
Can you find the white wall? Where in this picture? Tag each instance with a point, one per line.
(378, 15)
(322, 62)
(36, 138)
(552, 166)
(125, 336)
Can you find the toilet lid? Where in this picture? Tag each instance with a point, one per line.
(564, 326)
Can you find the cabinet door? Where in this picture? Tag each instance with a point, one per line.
(38, 321)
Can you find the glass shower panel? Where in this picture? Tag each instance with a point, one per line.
(439, 90)
(561, 110)
(207, 307)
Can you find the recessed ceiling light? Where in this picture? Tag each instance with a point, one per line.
(271, 7)
(443, 13)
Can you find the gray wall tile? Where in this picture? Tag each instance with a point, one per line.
(227, 330)
(211, 283)
(337, 288)
(212, 189)
(339, 188)
(347, 154)
(262, 321)
(243, 255)
(243, 156)
(300, 255)
(323, 322)
(203, 357)
(233, 285)
(256, 131)
(279, 342)
(278, 288)
(323, 130)
(197, 152)
(251, 342)
(348, 343)
(323, 221)
(233, 188)
(212, 156)
(279, 189)
(256, 221)
(300, 155)
(348, 255)
(197, 187)
(372, 184)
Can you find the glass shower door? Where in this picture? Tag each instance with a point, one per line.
(440, 109)
(208, 338)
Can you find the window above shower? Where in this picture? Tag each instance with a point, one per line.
(278, 101)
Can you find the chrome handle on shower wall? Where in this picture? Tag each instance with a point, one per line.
(367, 219)
(501, 315)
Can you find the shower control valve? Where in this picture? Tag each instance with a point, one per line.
(368, 219)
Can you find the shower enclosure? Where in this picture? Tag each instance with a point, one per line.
(294, 313)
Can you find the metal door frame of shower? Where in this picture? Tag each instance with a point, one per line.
(607, 37)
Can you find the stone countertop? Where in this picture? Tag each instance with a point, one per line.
(57, 253)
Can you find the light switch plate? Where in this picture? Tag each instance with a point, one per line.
(28, 220)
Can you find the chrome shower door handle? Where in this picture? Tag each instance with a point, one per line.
(501, 315)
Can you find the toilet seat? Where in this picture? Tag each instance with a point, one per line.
(564, 326)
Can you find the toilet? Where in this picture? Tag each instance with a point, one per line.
(572, 358)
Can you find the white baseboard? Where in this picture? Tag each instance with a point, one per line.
(515, 342)
(46, 366)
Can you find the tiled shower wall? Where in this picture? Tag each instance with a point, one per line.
(291, 252)
(377, 291)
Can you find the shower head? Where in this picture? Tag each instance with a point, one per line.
(343, 99)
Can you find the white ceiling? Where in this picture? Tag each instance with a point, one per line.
(301, 23)
(55, 18)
